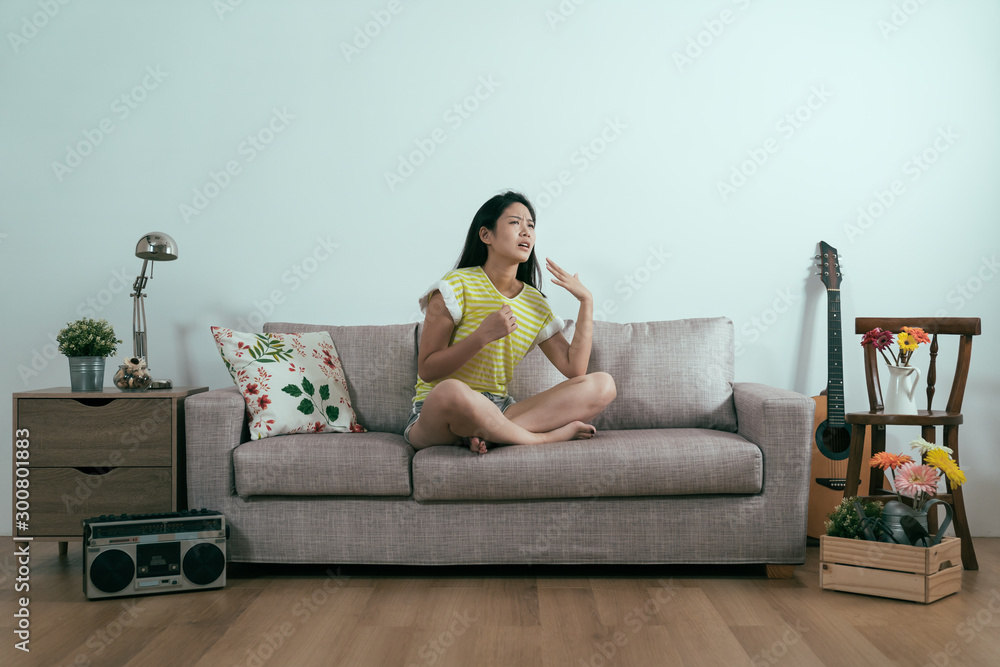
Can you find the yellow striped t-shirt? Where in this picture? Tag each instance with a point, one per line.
(470, 297)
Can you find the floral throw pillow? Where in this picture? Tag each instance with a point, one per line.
(292, 383)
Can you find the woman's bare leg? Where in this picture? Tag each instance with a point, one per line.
(453, 412)
(577, 399)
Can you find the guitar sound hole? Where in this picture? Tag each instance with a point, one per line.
(834, 442)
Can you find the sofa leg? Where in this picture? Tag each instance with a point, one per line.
(779, 571)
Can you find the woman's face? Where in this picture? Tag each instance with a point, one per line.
(514, 237)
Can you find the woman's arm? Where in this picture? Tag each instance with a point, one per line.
(438, 359)
(573, 358)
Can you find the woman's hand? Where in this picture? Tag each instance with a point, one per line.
(498, 324)
(571, 283)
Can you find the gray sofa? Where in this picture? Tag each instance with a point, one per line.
(687, 466)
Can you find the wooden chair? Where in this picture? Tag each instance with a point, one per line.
(949, 418)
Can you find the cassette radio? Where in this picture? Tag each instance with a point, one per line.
(142, 554)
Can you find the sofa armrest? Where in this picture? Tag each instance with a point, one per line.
(780, 423)
(216, 423)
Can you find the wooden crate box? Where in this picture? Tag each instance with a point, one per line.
(918, 574)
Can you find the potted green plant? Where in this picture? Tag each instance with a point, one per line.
(844, 521)
(87, 343)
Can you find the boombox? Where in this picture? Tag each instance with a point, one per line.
(142, 554)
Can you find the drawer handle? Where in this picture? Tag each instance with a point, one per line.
(94, 471)
(94, 402)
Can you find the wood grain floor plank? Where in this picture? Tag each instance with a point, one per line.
(559, 617)
(776, 645)
(570, 625)
(635, 646)
(506, 645)
(75, 632)
(826, 627)
(275, 622)
(511, 602)
(698, 630)
(395, 603)
(173, 646)
(375, 646)
(738, 602)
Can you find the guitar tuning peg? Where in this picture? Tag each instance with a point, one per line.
(817, 274)
(816, 257)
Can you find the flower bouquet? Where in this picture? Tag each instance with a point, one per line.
(902, 385)
(908, 340)
(917, 481)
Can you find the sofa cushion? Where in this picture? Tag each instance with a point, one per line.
(334, 464)
(676, 374)
(380, 365)
(655, 462)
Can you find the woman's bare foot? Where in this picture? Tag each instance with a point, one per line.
(572, 431)
(477, 445)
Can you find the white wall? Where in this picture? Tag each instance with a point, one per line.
(888, 82)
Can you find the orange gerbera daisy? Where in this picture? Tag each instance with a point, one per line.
(889, 460)
(918, 333)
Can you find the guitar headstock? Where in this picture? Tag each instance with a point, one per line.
(829, 265)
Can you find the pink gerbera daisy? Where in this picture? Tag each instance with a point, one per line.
(913, 479)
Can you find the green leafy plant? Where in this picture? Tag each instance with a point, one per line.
(844, 521)
(309, 405)
(88, 338)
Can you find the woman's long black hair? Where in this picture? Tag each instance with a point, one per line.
(475, 251)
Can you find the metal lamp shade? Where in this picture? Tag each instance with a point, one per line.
(156, 246)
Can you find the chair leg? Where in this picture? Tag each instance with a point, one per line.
(969, 560)
(853, 475)
(877, 480)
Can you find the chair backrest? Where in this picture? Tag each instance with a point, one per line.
(965, 327)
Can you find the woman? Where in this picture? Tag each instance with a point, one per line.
(480, 321)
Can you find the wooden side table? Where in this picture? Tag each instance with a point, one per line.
(95, 452)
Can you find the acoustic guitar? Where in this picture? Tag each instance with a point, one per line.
(832, 435)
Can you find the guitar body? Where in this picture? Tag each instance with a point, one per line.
(827, 474)
(831, 445)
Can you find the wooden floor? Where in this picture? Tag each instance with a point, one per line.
(521, 616)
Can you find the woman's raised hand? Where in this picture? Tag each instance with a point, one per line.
(498, 324)
(571, 283)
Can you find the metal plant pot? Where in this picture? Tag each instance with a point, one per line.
(86, 373)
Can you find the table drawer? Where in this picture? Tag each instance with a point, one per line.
(97, 432)
(62, 497)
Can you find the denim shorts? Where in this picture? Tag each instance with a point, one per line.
(502, 402)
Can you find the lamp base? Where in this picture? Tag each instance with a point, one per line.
(161, 384)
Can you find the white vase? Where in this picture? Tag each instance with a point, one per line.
(900, 392)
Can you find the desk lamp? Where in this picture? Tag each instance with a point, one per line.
(153, 247)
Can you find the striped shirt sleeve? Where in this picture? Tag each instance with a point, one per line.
(453, 292)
